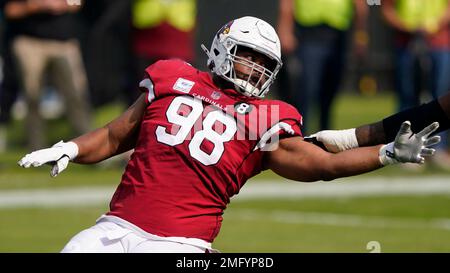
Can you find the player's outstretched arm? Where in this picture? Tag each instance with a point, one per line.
(385, 130)
(299, 160)
(114, 138)
(302, 161)
(118, 136)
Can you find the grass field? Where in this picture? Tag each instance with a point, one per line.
(406, 223)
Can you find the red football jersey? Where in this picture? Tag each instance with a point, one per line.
(197, 146)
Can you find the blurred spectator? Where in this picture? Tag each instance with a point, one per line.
(45, 47)
(314, 34)
(422, 42)
(106, 48)
(161, 29)
(8, 80)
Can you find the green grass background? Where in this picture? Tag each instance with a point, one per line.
(48, 229)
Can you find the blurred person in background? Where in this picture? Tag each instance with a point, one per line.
(314, 34)
(161, 29)
(9, 87)
(422, 42)
(45, 46)
(106, 48)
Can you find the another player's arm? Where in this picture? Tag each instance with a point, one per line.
(384, 131)
(302, 161)
(116, 137)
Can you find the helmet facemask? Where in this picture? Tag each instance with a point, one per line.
(257, 82)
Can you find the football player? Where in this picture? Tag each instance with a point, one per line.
(385, 130)
(198, 137)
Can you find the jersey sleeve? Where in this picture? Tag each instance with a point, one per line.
(146, 86)
(166, 77)
(287, 124)
(283, 121)
(290, 116)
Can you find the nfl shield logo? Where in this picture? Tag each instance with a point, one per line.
(216, 95)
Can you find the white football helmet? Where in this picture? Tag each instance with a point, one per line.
(252, 33)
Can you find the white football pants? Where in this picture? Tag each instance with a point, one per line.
(107, 237)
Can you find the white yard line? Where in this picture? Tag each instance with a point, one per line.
(256, 189)
(330, 219)
(66, 197)
(349, 187)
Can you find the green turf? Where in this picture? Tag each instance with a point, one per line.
(352, 110)
(261, 236)
(264, 235)
(33, 179)
(47, 230)
(43, 230)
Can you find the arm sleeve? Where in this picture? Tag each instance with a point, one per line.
(420, 117)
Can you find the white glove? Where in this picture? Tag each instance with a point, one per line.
(410, 147)
(58, 156)
(336, 140)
